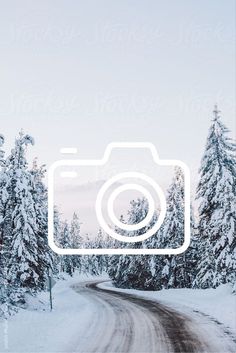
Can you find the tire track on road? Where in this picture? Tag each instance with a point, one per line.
(126, 323)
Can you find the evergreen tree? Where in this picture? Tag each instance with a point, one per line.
(3, 194)
(216, 191)
(65, 242)
(133, 271)
(174, 270)
(115, 261)
(56, 264)
(4, 303)
(76, 241)
(153, 263)
(100, 261)
(39, 195)
(191, 255)
(2, 188)
(87, 263)
(223, 231)
(20, 225)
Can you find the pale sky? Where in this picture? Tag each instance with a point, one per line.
(85, 73)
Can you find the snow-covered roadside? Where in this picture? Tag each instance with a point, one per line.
(44, 331)
(62, 329)
(219, 304)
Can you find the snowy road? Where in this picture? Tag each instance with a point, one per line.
(127, 323)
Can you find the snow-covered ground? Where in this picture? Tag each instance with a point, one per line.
(219, 303)
(39, 330)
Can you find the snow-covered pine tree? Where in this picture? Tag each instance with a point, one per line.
(2, 188)
(224, 230)
(216, 191)
(158, 264)
(100, 261)
(3, 192)
(174, 272)
(20, 225)
(115, 261)
(4, 305)
(75, 231)
(87, 263)
(56, 264)
(95, 264)
(133, 271)
(65, 242)
(39, 195)
(138, 272)
(154, 263)
(2, 153)
(57, 225)
(76, 241)
(191, 255)
(110, 243)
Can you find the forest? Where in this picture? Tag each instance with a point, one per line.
(26, 260)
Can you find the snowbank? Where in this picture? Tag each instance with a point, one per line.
(219, 304)
(37, 329)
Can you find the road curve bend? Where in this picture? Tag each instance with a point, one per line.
(125, 323)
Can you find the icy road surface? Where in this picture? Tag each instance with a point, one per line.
(128, 323)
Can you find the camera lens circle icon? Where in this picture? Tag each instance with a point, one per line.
(114, 195)
(145, 221)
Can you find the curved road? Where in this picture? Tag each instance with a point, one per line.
(127, 323)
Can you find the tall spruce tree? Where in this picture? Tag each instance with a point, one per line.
(20, 221)
(39, 195)
(2, 188)
(65, 242)
(24, 252)
(76, 241)
(116, 261)
(179, 270)
(191, 255)
(3, 268)
(57, 226)
(216, 192)
(100, 262)
(174, 269)
(133, 271)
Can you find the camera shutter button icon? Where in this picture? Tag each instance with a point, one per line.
(110, 204)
